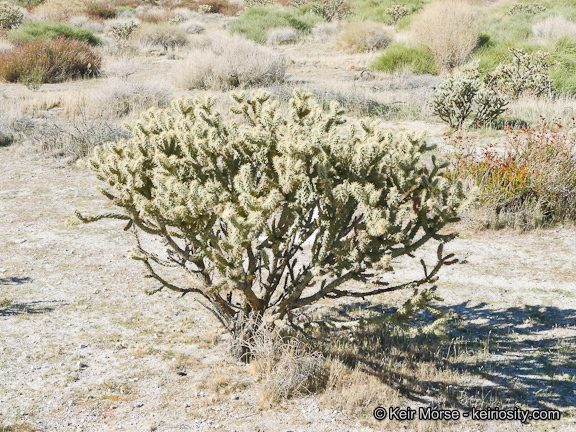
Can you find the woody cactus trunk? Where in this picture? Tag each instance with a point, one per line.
(273, 212)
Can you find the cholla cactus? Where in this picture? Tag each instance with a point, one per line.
(397, 12)
(10, 16)
(332, 10)
(270, 215)
(529, 8)
(251, 3)
(122, 31)
(463, 95)
(523, 72)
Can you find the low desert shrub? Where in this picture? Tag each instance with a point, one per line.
(43, 30)
(100, 9)
(284, 366)
(417, 59)
(282, 36)
(10, 16)
(49, 61)
(324, 32)
(227, 62)
(465, 95)
(363, 36)
(532, 181)
(448, 28)
(119, 97)
(237, 202)
(74, 137)
(60, 10)
(85, 22)
(192, 27)
(161, 36)
(554, 28)
(254, 23)
(152, 14)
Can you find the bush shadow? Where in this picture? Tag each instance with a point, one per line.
(487, 357)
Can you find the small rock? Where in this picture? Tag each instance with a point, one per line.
(139, 405)
(81, 365)
(235, 396)
(81, 346)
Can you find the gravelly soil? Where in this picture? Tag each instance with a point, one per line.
(83, 348)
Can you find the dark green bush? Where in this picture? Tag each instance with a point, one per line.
(417, 59)
(37, 30)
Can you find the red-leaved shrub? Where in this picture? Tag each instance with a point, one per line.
(49, 61)
(533, 178)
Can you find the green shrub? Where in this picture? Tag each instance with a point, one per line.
(236, 202)
(10, 16)
(49, 61)
(37, 30)
(255, 22)
(563, 72)
(400, 56)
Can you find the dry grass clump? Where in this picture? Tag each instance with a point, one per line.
(163, 36)
(356, 392)
(121, 67)
(119, 97)
(192, 27)
(60, 10)
(448, 29)
(284, 366)
(5, 45)
(152, 14)
(553, 28)
(85, 22)
(100, 9)
(324, 32)
(364, 36)
(225, 62)
(282, 36)
(74, 137)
